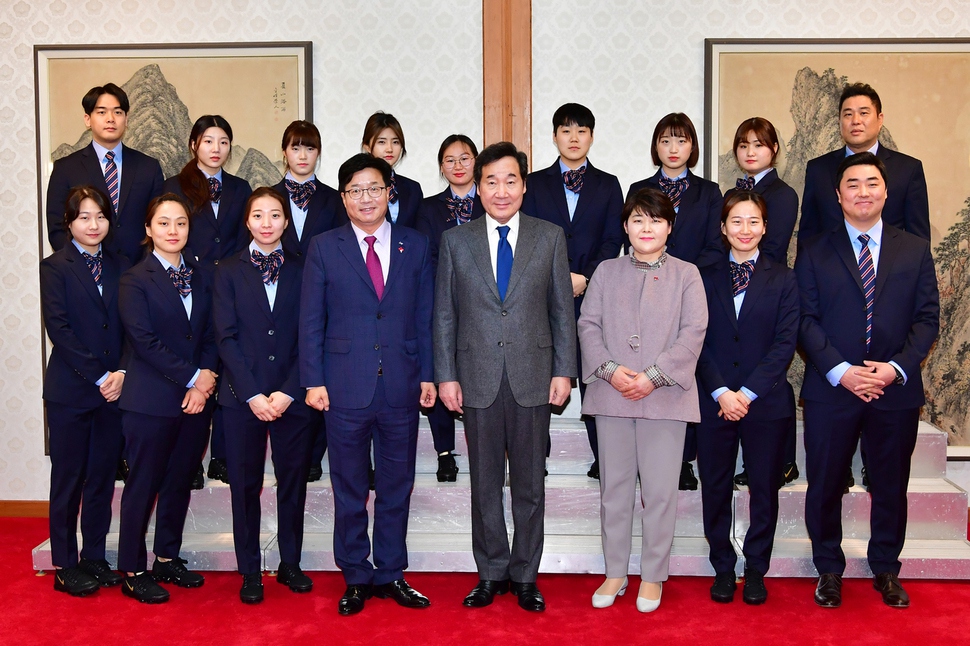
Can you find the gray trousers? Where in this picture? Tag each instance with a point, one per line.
(522, 433)
(653, 449)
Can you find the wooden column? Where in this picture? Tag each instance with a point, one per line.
(507, 67)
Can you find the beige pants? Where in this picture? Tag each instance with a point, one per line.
(652, 448)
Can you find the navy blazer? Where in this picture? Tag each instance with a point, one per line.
(210, 238)
(141, 181)
(166, 346)
(905, 322)
(325, 211)
(84, 326)
(595, 233)
(782, 202)
(754, 349)
(346, 333)
(433, 220)
(258, 346)
(907, 206)
(696, 237)
(409, 197)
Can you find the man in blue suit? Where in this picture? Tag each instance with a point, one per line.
(366, 360)
(586, 202)
(870, 313)
(130, 178)
(860, 120)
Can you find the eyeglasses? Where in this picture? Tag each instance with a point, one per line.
(464, 160)
(357, 193)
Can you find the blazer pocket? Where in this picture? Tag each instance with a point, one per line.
(411, 346)
(336, 346)
(544, 340)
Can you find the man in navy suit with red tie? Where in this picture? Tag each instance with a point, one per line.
(366, 360)
(586, 202)
(870, 313)
(130, 178)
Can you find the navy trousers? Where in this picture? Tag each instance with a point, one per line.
(85, 445)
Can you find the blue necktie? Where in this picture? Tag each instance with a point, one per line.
(503, 265)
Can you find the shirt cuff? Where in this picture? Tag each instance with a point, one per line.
(720, 391)
(901, 371)
(606, 371)
(194, 377)
(252, 398)
(103, 378)
(658, 377)
(749, 394)
(835, 374)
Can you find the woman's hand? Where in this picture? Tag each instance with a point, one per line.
(111, 388)
(638, 388)
(622, 377)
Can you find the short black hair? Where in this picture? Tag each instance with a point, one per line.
(91, 98)
(573, 114)
(860, 89)
(860, 159)
(650, 202)
(359, 162)
(495, 152)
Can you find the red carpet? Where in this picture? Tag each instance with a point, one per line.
(31, 612)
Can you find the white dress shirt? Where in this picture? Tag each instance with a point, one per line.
(382, 246)
(494, 237)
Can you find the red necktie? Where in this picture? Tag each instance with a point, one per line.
(374, 267)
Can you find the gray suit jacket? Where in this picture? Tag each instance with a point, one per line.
(532, 333)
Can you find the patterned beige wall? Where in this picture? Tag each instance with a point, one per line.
(421, 61)
(633, 61)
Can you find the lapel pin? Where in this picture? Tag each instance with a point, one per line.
(400, 247)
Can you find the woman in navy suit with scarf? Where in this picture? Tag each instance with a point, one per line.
(314, 208)
(384, 138)
(256, 309)
(79, 301)
(755, 149)
(216, 200)
(696, 237)
(165, 303)
(753, 325)
(456, 205)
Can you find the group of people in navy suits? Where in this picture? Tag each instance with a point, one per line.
(327, 319)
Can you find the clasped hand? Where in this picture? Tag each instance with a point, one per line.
(634, 386)
(867, 381)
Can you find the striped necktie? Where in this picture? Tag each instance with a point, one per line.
(867, 271)
(111, 180)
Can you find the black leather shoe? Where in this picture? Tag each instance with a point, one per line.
(353, 600)
(594, 470)
(849, 482)
(755, 593)
(218, 470)
(724, 586)
(75, 582)
(828, 592)
(315, 473)
(483, 593)
(529, 596)
(101, 571)
(401, 592)
(790, 472)
(891, 590)
(292, 576)
(143, 588)
(122, 472)
(741, 479)
(688, 481)
(199, 480)
(252, 588)
(447, 468)
(174, 571)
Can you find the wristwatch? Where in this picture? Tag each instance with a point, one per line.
(899, 376)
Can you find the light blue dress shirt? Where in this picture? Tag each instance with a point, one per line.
(738, 301)
(572, 199)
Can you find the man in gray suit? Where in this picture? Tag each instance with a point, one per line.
(505, 350)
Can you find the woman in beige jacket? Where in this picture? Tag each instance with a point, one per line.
(641, 330)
